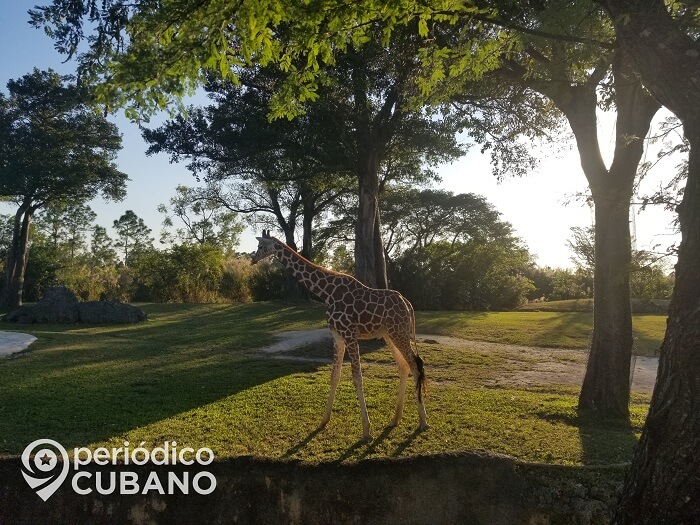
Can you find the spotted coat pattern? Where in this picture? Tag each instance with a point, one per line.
(357, 312)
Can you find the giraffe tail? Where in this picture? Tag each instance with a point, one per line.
(422, 383)
(422, 386)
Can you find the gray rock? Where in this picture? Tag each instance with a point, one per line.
(59, 305)
(23, 314)
(109, 312)
(58, 296)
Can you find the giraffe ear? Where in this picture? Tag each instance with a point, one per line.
(260, 239)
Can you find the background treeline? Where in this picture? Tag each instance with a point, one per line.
(444, 252)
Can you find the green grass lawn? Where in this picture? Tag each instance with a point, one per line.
(639, 306)
(192, 374)
(530, 328)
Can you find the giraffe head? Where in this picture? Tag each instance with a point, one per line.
(266, 247)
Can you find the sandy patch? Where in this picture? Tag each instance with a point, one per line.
(527, 365)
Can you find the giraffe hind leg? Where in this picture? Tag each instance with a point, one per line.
(404, 370)
(415, 363)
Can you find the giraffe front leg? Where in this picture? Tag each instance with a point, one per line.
(339, 353)
(354, 352)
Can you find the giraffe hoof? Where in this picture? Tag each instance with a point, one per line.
(321, 426)
(394, 423)
(424, 426)
(366, 439)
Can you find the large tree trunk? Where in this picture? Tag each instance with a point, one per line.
(663, 485)
(292, 290)
(379, 253)
(605, 386)
(371, 136)
(370, 267)
(17, 257)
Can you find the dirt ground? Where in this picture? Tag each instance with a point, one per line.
(543, 365)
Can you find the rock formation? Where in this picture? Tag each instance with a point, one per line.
(60, 306)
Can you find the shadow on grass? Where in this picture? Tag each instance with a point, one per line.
(350, 451)
(81, 384)
(441, 322)
(566, 329)
(603, 441)
(324, 350)
(407, 442)
(302, 444)
(646, 345)
(372, 447)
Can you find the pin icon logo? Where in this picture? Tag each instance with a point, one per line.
(44, 472)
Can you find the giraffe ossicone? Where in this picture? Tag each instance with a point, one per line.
(356, 312)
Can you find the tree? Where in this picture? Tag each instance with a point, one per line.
(280, 174)
(649, 277)
(663, 484)
(204, 220)
(288, 170)
(363, 126)
(571, 75)
(452, 251)
(101, 248)
(416, 218)
(384, 125)
(159, 53)
(66, 224)
(132, 235)
(53, 147)
(582, 244)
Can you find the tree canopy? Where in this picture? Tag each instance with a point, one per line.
(54, 145)
(54, 149)
(146, 55)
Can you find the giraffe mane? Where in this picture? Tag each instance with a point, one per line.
(312, 264)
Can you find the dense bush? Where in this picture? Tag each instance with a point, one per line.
(555, 284)
(462, 276)
(235, 279)
(651, 282)
(187, 273)
(267, 281)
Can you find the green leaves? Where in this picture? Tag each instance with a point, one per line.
(54, 145)
(147, 55)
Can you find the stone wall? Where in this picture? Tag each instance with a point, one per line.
(467, 488)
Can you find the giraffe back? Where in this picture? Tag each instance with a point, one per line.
(368, 313)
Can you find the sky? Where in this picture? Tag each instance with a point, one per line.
(539, 206)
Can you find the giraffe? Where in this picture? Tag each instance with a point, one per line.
(357, 312)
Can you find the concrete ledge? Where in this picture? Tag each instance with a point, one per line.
(466, 488)
(13, 342)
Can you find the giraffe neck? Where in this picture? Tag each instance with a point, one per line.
(304, 271)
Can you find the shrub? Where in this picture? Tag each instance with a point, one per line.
(463, 276)
(267, 281)
(188, 273)
(235, 279)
